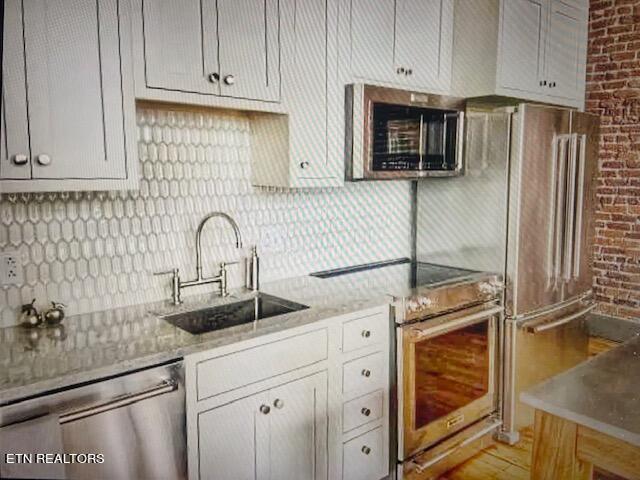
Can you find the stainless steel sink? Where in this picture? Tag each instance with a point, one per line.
(231, 314)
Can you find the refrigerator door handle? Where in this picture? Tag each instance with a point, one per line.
(543, 327)
(580, 168)
(560, 208)
(551, 255)
(570, 214)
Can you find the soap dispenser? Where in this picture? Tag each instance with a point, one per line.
(253, 270)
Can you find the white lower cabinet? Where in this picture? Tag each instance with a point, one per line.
(322, 414)
(233, 439)
(274, 434)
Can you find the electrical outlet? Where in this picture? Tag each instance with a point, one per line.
(10, 269)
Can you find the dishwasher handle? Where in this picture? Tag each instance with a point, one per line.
(557, 323)
(166, 386)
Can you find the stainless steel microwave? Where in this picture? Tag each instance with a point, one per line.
(396, 134)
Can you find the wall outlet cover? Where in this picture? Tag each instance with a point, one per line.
(10, 269)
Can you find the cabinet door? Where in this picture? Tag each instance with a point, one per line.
(522, 44)
(566, 54)
(307, 90)
(298, 439)
(233, 440)
(423, 27)
(249, 48)
(372, 39)
(179, 46)
(74, 86)
(14, 139)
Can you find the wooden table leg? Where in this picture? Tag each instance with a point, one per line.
(554, 450)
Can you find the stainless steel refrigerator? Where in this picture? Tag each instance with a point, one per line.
(524, 207)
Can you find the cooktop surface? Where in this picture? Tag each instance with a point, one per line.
(420, 273)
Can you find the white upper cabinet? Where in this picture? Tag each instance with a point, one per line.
(222, 53)
(404, 43)
(248, 44)
(423, 42)
(566, 50)
(523, 32)
(77, 90)
(303, 148)
(524, 49)
(15, 160)
(174, 48)
(371, 52)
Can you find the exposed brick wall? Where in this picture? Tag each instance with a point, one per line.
(613, 92)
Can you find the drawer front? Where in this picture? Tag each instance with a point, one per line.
(362, 410)
(364, 457)
(238, 369)
(364, 373)
(362, 332)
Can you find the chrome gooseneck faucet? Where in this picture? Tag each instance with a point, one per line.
(177, 284)
(203, 222)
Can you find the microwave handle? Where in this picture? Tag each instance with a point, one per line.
(459, 141)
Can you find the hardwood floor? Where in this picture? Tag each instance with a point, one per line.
(498, 462)
(505, 462)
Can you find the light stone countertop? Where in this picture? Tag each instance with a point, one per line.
(602, 393)
(113, 342)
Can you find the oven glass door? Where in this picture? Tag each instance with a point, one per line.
(448, 375)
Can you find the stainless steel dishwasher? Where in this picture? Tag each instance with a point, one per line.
(137, 421)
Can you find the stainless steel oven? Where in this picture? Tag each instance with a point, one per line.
(447, 386)
(397, 134)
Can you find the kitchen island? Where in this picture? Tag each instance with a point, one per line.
(589, 418)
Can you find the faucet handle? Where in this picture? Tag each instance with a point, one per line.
(173, 271)
(175, 284)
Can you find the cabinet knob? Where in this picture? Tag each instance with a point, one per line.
(278, 403)
(44, 159)
(265, 409)
(366, 333)
(366, 373)
(366, 450)
(408, 71)
(20, 159)
(543, 83)
(229, 80)
(214, 77)
(365, 411)
(304, 165)
(552, 85)
(400, 70)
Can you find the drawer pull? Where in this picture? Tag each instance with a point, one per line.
(366, 450)
(366, 333)
(278, 403)
(366, 373)
(265, 409)
(365, 411)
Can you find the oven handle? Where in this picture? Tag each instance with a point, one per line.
(557, 323)
(420, 467)
(166, 386)
(456, 323)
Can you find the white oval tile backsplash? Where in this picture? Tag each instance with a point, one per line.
(96, 251)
